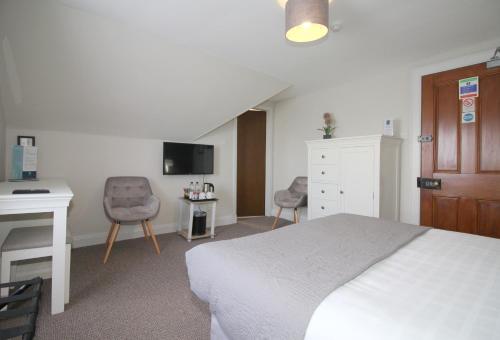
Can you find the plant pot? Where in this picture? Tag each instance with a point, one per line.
(327, 136)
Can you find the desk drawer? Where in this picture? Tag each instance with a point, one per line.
(321, 208)
(324, 173)
(325, 156)
(324, 191)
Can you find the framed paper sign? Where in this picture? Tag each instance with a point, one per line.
(26, 140)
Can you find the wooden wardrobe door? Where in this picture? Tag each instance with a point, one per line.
(357, 180)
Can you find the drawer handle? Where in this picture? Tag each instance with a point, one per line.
(323, 156)
(322, 172)
(322, 191)
(341, 192)
(322, 207)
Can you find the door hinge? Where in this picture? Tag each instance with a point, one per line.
(425, 139)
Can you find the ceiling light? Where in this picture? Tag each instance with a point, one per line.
(282, 3)
(306, 20)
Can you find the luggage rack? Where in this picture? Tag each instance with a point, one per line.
(19, 310)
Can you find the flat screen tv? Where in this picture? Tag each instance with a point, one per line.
(187, 159)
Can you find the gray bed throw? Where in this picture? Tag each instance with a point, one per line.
(267, 286)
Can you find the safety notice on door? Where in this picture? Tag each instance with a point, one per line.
(468, 87)
(468, 117)
(469, 104)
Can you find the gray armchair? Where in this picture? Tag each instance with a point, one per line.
(294, 197)
(129, 200)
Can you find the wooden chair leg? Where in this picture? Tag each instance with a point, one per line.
(116, 227)
(110, 232)
(153, 236)
(145, 229)
(276, 220)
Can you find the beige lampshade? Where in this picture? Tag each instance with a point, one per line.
(306, 20)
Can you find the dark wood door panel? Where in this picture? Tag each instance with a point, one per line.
(447, 120)
(490, 123)
(251, 164)
(489, 218)
(445, 212)
(467, 215)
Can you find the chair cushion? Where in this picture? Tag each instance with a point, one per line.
(288, 199)
(137, 213)
(126, 192)
(30, 237)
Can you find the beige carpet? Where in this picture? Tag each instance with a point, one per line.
(137, 294)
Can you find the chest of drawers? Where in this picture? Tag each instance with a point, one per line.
(357, 175)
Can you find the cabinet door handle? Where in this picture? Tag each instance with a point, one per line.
(322, 172)
(341, 192)
(323, 156)
(322, 207)
(322, 191)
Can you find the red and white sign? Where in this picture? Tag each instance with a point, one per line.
(469, 104)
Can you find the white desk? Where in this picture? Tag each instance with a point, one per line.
(56, 202)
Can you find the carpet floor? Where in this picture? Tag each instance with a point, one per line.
(137, 294)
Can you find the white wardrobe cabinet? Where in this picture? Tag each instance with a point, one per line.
(356, 175)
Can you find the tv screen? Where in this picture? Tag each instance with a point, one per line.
(187, 159)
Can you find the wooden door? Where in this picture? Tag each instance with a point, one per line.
(357, 180)
(251, 179)
(464, 155)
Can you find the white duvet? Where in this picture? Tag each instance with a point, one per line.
(443, 285)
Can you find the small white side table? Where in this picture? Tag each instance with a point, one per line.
(187, 231)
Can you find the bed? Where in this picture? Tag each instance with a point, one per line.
(350, 277)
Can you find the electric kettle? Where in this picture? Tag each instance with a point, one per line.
(208, 187)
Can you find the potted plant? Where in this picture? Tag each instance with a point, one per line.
(329, 126)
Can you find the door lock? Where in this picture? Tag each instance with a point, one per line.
(429, 183)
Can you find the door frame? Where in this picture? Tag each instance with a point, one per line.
(413, 203)
(268, 203)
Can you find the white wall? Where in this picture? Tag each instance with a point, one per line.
(2, 143)
(85, 161)
(359, 108)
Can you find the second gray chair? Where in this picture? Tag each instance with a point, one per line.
(128, 200)
(294, 197)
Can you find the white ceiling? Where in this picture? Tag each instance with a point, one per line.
(375, 34)
(175, 69)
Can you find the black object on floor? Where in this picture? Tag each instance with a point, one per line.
(199, 222)
(20, 309)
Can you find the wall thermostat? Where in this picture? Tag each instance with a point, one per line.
(389, 127)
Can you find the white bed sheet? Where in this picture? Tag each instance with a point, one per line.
(443, 285)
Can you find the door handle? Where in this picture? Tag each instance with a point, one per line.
(429, 183)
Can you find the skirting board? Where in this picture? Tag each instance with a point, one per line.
(43, 269)
(131, 232)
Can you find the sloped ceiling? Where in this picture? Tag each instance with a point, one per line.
(376, 34)
(176, 69)
(67, 69)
